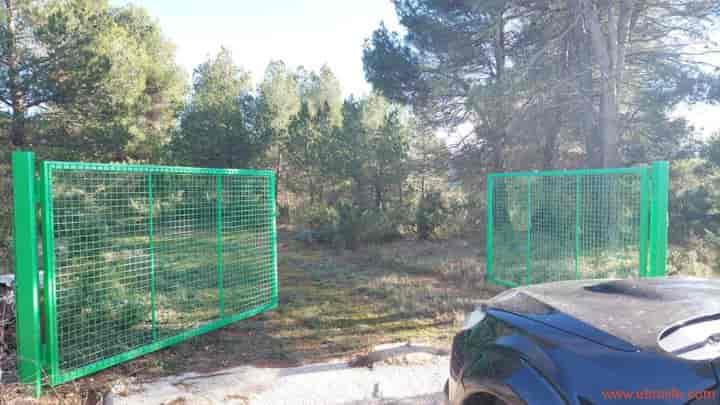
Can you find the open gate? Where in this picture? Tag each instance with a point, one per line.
(136, 258)
(577, 224)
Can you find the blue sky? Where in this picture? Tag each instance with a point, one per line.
(300, 32)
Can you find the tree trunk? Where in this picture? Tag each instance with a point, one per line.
(500, 49)
(501, 127)
(552, 133)
(498, 159)
(359, 196)
(593, 157)
(279, 179)
(311, 187)
(17, 129)
(609, 51)
(608, 124)
(501, 214)
(607, 119)
(378, 197)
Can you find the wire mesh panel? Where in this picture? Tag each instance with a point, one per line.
(563, 225)
(142, 257)
(185, 237)
(102, 258)
(246, 234)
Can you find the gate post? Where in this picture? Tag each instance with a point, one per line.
(489, 229)
(659, 218)
(27, 290)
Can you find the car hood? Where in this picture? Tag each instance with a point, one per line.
(623, 314)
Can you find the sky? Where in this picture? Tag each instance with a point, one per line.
(301, 32)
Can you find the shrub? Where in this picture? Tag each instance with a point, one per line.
(283, 213)
(466, 215)
(378, 226)
(349, 225)
(431, 213)
(698, 258)
(346, 225)
(317, 223)
(694, 199)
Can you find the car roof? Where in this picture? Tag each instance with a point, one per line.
(634, 310)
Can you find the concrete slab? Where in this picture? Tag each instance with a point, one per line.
(315, 384)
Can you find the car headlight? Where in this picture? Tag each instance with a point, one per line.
(473, 318)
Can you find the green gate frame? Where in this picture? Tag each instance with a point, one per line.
(37, 348)
(653, 221)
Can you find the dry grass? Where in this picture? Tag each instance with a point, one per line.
(700, 258)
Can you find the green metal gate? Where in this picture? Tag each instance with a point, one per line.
(576, 224)
(137, 258)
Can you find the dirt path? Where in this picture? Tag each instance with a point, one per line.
(316, 384)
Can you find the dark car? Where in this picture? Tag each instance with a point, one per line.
(648, 341)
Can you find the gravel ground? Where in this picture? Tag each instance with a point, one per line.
(328, 383)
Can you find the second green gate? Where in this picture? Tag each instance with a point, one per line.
(576, 224)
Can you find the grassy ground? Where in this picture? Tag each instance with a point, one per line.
(332, 304)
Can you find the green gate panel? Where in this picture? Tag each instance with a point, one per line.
(576, 224)
(143, 257)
